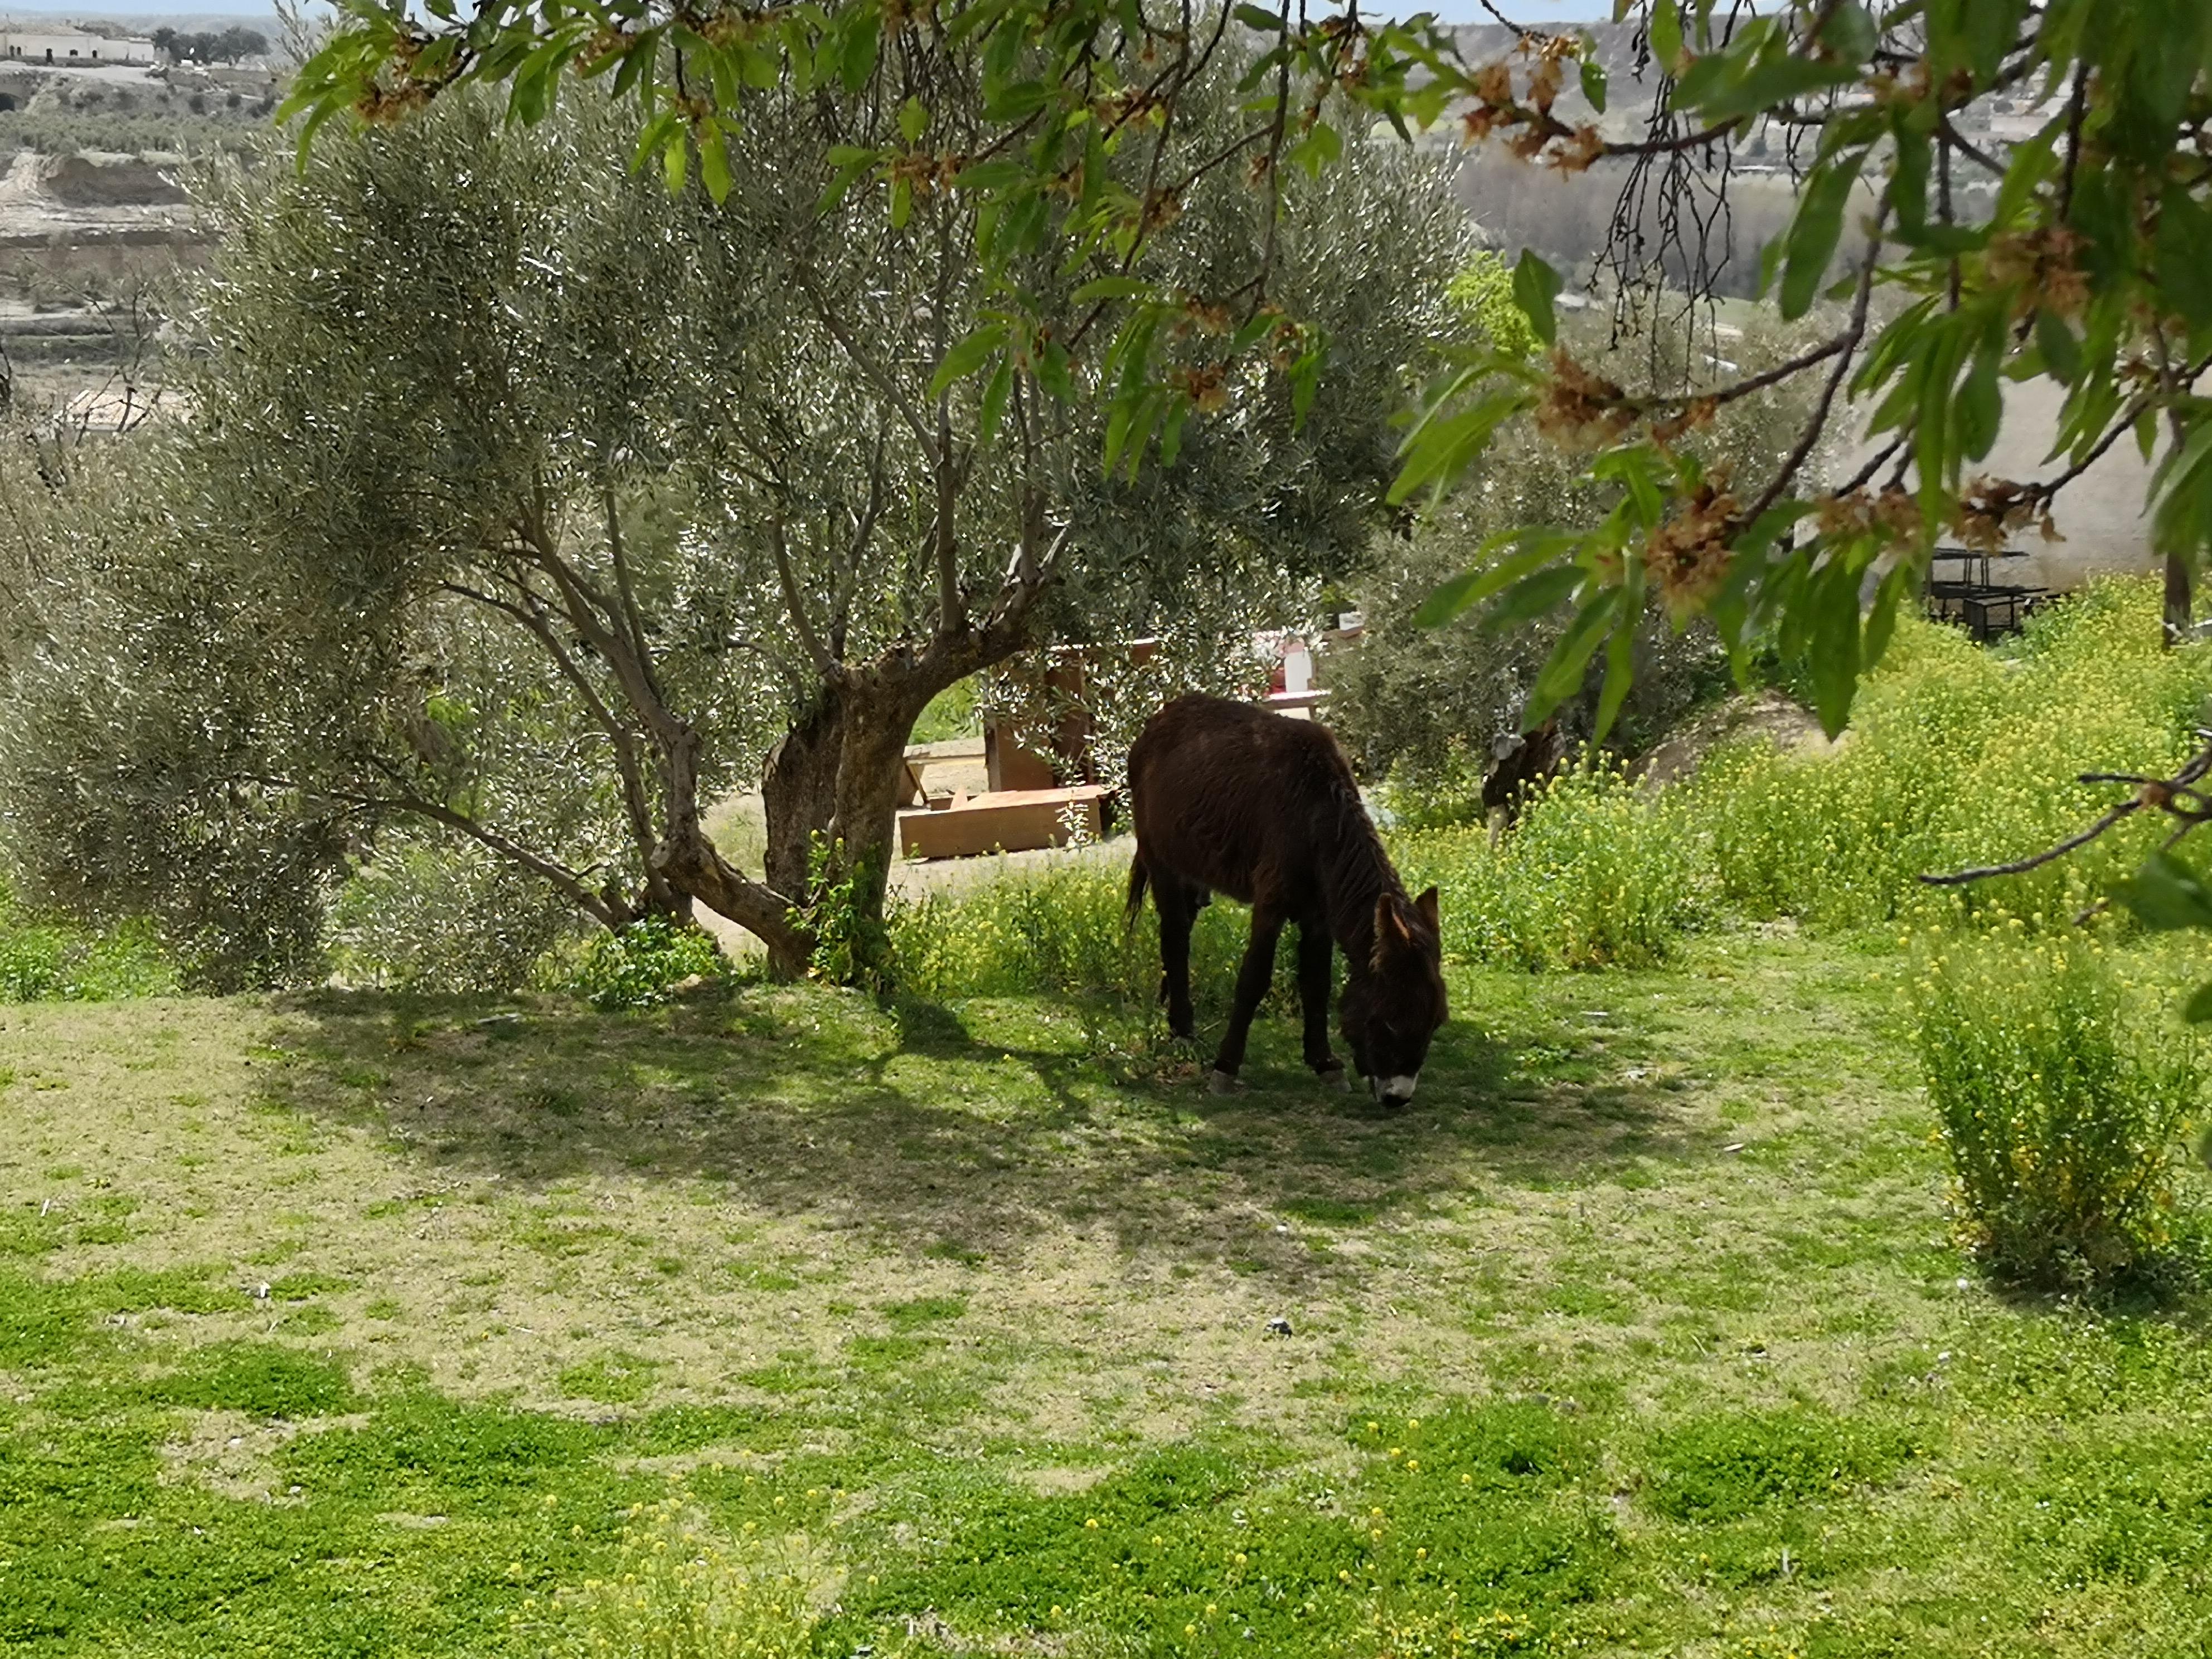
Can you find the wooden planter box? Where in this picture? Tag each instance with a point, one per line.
(1004, 821)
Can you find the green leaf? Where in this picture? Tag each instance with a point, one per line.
(1171, 431)
(2183, 252)
(1317, 150)
(1908, 177)
(1593, 83)
(1445, 443)
(1849, 31)
(1111, 288)
(989, 176)
(1535, 285)
(714, 162)
(1666, 35)
(863, 36)
(1561, 675)
(1472, 586)
(1620, 673)
(1305, 382)
(995, 391)
(968, 356)
(1811, 241)
(1258, 18)
(902, 202)
(913, 119)
(1834, 643)
(654, 137)
(1533, 596)
(1718, 98)
(1980, 407)
(2166, 893)
(2062, 353)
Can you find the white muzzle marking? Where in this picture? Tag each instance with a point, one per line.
(1395, 1088)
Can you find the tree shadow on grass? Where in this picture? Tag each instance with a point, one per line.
(960, 1131)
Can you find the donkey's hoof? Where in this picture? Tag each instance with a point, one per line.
(1222, 1083)
(1332, 1077)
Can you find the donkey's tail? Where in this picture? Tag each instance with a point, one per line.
(1138, 877)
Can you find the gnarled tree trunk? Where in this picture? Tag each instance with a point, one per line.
(836, 776)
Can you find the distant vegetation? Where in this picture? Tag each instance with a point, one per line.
(63, 118)
(229, 45)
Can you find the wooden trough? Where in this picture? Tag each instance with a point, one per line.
(1003, 821)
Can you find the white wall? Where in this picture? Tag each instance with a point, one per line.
(2101, 513)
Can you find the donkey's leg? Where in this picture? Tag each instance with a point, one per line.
(1315, 953)
(1251, 985)
(1172, 899)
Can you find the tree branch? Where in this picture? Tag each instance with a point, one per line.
(825, 664)
(2170, 795)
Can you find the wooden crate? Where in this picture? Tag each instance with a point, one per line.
(1006, 821)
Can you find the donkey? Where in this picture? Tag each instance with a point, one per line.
(1231, 799)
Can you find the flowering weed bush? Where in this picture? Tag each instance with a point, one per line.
(2062, 1103)
(682, 1590)
(1960, 756)
(1596, 873)
(1059, 931)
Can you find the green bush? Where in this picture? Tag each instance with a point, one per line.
(1596, 873)
(644, 964)
(2062, 1105)
(54, 962)
(1959, 756)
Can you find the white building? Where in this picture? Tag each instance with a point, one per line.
(81, 49)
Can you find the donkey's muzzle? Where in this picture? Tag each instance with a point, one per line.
(1394, 1090)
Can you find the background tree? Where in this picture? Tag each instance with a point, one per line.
(549, 506)
(1425, 705)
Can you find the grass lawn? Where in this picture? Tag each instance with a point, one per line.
(355, 1325)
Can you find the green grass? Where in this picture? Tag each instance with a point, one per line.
(1640, 1333)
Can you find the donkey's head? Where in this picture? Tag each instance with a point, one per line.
(1395, 1000)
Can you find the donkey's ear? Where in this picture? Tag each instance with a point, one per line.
(1425, 907)
(1390, 930)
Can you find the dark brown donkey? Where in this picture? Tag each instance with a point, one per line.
(1229, 799)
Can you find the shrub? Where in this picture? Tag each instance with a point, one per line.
(644, 964)
(423, 916)
(681, 1590)
(52, 961)
(852, 945)
(1596, 873)
(2061, 1105)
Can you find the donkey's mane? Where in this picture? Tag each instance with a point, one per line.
(1355, 872)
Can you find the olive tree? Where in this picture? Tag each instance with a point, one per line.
(521, 498)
